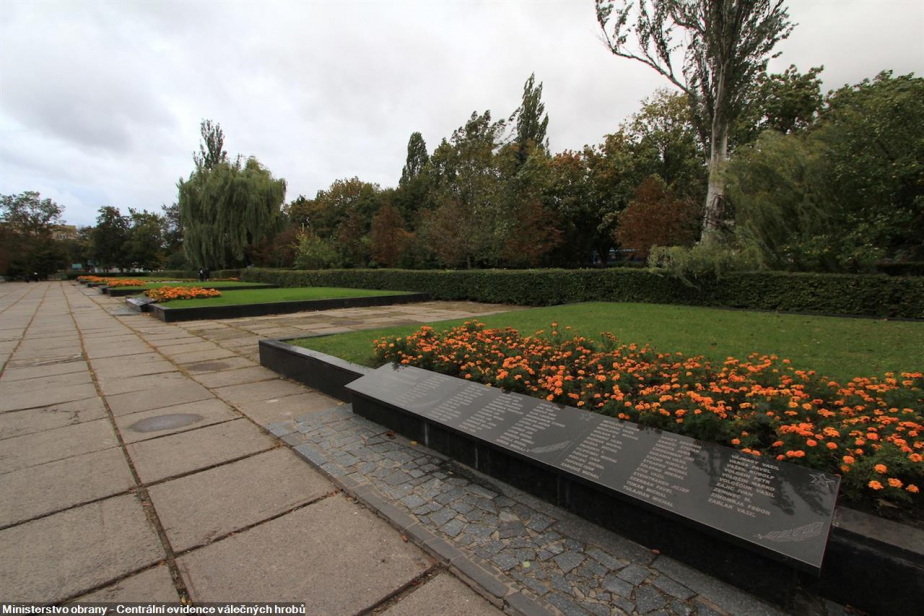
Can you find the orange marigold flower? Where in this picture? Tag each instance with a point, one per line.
(895, 483)
(881, 468)
(811, 442)
(912, 488)
(832, 446)
(875, 485)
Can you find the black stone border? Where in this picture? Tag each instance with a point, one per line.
(173, 315)
(125, 291)
(871, 563)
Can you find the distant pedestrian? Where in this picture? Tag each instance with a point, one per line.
(201, 275)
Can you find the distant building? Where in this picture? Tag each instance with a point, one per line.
(64, 232)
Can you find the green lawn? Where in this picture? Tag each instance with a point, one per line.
(269, 296)
(836, 347)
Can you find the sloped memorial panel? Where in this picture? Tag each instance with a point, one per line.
(663, 489)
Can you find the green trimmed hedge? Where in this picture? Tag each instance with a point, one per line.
(835, 294)
(194, 274)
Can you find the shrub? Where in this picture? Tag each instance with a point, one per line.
(870, 431)
(835, 294)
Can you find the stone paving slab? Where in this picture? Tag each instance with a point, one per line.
(117, 349)
(17, 398)
(173, 419)
(133, 365)
(338, 557)
(198, 508)
(197, 449)
(218, 365)
(19, 423)
(235, 377)
(157, 398)
(112, 387)
(274, 410)
(46, 560)
(444, 595)
(43, 489)
(151, 586)
(68, 379)
(191, 358)
(42, 447)
(254, 392)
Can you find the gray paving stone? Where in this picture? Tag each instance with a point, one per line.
(43, 447)
(728, 598)
(565, 605)
(197, 508)
(16, 397)
(505, 561)
(648, 599)
(188, 451)
(46, 560)
(569, 560)
(362, 560)
(151, 586)
(634, 574)
(19, 374)
(20, 423)
(618, 586)
(605, 559)
(444, 595)
(139, 401)
(147, 382)
(442, 516)
(40, 490)
(274, 410)
(672, 588)
(235, 377)
(258, 391)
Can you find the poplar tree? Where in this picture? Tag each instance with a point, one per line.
(725, 45)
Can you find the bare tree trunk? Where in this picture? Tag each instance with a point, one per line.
(718, 154)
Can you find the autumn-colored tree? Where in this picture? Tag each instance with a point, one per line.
(657, 217)
(535, 235)
(352, 242)
(388, 239)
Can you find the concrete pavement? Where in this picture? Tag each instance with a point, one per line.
(130, 472)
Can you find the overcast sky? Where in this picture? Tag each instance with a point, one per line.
(100, 102)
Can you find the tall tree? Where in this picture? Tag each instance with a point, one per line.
(28, 243)
(109, 239)
(144, 242)
(467, 189)
(417, 158)
(726, 45)
(387, 238)
(226, 207)
(211, 149)
(531, 120)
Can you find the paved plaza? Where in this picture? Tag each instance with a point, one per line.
(144, 461)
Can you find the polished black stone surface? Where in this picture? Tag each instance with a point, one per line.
(775, 508)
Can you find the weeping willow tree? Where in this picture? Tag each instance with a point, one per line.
(227, 207)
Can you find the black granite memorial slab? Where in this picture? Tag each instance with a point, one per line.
(775, 509)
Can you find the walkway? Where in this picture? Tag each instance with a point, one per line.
(141, 461)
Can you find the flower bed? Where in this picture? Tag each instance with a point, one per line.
(869, 431)
(168, 294)
(132, 282)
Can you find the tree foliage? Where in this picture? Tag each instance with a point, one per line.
(725, 45)
(225, 207)
(844, 195)
(388, 239)
(109, 239)
(145, 240)
(657, 217)
(27, 243)
(530, 121)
